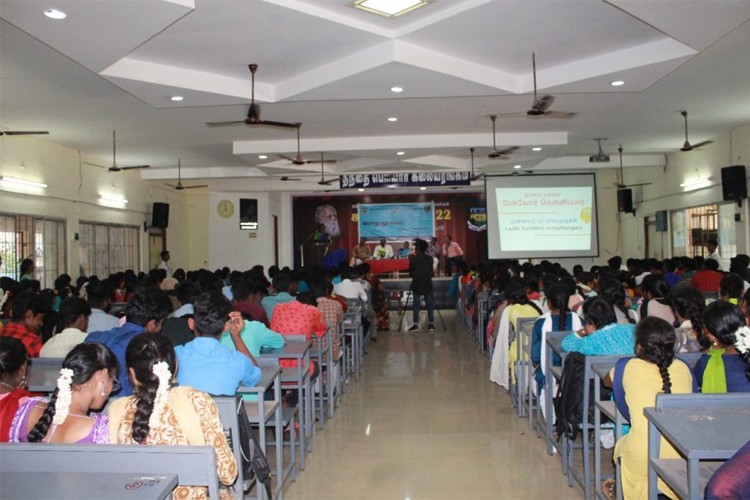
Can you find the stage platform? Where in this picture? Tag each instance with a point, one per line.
(395, 287)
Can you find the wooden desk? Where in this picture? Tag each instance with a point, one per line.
(700, 435)
(299, 351)
(82, 485)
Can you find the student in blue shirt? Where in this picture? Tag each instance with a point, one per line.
(207, 365)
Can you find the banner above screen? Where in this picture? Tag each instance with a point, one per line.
(541, 216)
(415, 179)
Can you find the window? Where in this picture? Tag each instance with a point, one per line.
(693, 227)
(40, 239)
(107, 248)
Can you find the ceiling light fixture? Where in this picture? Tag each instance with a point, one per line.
(262, 157)
(389, 8)
(12, 181)
(400, 153)
(397, 90)
(113, 200)
(392, 119)
(617, 83)
(176, 98)
(536, 149)
(361, 190)
(55, 14)
(516, 167)
(423, 188)
(696, 184)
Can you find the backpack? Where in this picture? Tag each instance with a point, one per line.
(568, 401)
(254, 461)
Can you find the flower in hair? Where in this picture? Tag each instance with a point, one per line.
(742, 339)
(64, 396)
(161, 370)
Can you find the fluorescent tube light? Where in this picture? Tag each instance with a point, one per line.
(21, 182)
(696, 184)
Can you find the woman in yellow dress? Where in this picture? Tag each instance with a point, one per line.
(654, 370)
(160, 414)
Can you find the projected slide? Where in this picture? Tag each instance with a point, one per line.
(542, 216)
(396, 220)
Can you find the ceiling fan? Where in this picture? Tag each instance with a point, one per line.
(114, 167)
(495, 153)
(179, 186)
(253, 114)
(287, 178)
(473, 176)
(19, 132)
(323, 181)
(600, 156)
(687, 146)
(621, 178)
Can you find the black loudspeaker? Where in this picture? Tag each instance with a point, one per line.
(661, 220)
(733, 183)
(625, 200)
(160, 215)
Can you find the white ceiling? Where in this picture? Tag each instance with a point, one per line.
(113, 64)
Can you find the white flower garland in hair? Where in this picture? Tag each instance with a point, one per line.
(742, 339)
(64, 396)
(161, 370)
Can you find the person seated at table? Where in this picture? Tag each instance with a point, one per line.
(722, 369)
(636, 382)
(404, 251)
(360, 252)
(27, 316)
(558, 319)
(282, 285)
(99, 297)
(688, 305)
(175, 327)
(161, 414)
(13, 363)
(601, 335)
(248, 294)
(382, 250)
(73, 320)
(331, 310)
(145, 312)
(707, 279)
(299, 317)
(87, 377)
(657, 299)
(613, 292)
(207, 365)
(731, 480)
(731, 288)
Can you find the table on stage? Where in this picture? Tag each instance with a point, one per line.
(116, 485)
(385, 266)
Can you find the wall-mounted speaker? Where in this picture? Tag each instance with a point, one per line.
(160, 215)
(625, 200)
(733, 183)
(661, 220)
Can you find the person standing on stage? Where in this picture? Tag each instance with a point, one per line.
(382, 251)
(360, 252)
(433, 250)
(453, 254)
(420, 269)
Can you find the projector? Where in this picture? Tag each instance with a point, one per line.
(599, 158)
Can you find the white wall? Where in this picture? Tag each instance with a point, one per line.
(73, 190)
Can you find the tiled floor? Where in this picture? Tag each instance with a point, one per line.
(425, 422)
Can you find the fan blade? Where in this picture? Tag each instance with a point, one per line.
(195, 187)
(269, 123)
(701, 144)
(19, 132)
(328, 182)
(318, 161)
(639, 184)
(558, 114)
(224, 124)
(287, 158)
(134, 167)
(285, 178)
(502, 153)
(541, 106)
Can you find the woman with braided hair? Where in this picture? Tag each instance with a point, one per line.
(612, 291)
(688, 305)
(13, 362)
(87, 377)
(638, 380)
(158, 413)
(722, 369)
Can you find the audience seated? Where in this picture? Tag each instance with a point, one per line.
(299, 317)
(88, 376)
(281, 284)
(723, 369)
(656, 299)
(601, 335)
(99, 297)
(731, 481)
(248, 295)
(145, 312)
(331, 311)
(207, 365)
(160, 414)
(175, 327)
(731, 288)
(73, 319)
(654, 370)
(613, 292)
(13, 362)
(29, 310)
